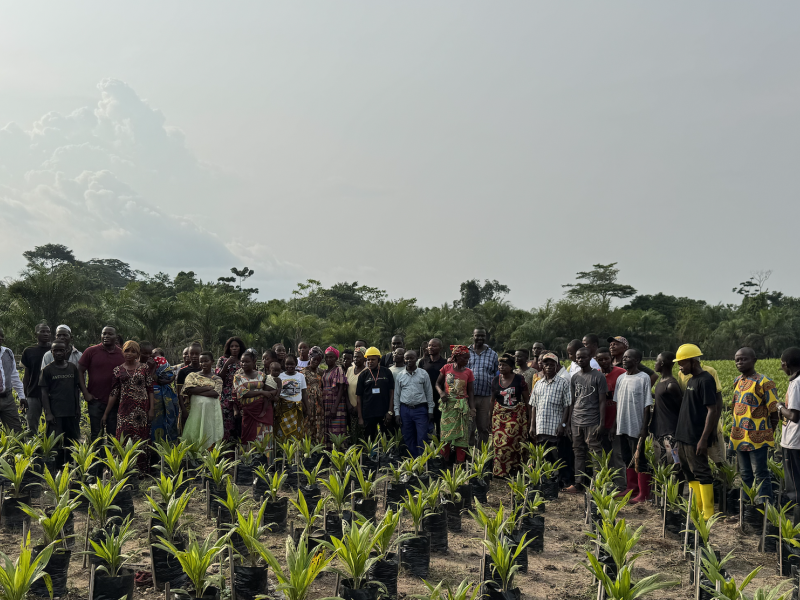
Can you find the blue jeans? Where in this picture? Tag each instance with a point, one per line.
(414, 421)
(755, 461)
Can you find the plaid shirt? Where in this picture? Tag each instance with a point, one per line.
(484, 366)
(550, 397)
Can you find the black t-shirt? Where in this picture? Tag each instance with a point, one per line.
(375, 405)
(32, 361)
(184, 373)
(701, 392)
(509, 397)
(669, 398)
(433, 368)
(62, 388)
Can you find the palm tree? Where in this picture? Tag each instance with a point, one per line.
(209, 314)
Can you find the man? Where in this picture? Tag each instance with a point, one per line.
(9, 412)
(551, 401)
(592, 343)
(537, 351)
(521, 357)
(611, 374)
(666, 408)
(588, 390)
(790, 436)
(755, 417)
(361, 344)
(413, 404)
(389, 358)
(374, 394)
(484, 365)
(32, 361)
(634, 399)
(697, 427)
(64, 334)
(432, 364)
(99, 362)
(572, 349)
(61, 385)
(399, 362)
(617, 346)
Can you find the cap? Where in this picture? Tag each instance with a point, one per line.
(620, 339)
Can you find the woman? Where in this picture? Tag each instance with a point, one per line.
(227, 365)
(457, 403)
(166, 410)
(132, 387)
(315, 415)
(359, 364)
(509, 417)
(334, 384)
(253, 398)
(203, 388)
(347, 360)
(303, 350)
(280, 353)
(293, 400)
(268, 358)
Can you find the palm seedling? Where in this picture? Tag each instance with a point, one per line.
(519, 489)
(533, 505)
(537, 453)
(120, 466)
(466, 590)
(169, 515)
(101, 498)
(338, 460)
(701, 524)
(127, 447)
(728, 588)
(608, 505)
(49, 443)
(303, 566)
(353, 458)
(622, 587)
(274, 482)
(338, 441)
(85, 456)
(776, 469)
(312, 476)
(495, 524)
(217, 468)
(368, 485)
(550, 469)
(234, 501)
(752, 492)
(16, 474)
(167, 487)
(533, 475)
(172, 455)
(29, 448)
(9, 440)
(17, 577)
(251, 530)
(288, 450)
(395, 473)
(618, 540)
(384, 543)
(352, 552)
(504, 555)
(54, 520)
(308, 517)
(308, 448)
(109, 550)
(58, 485)
(386, 443)
(772, 593)
(417, 507)
(453, 480)
(197, 559)
(337, 490)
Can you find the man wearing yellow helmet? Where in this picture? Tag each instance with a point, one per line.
(697, 426)
(374, 394)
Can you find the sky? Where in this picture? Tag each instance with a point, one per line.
(407, 146)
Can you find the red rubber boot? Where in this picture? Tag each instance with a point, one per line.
(645, 479)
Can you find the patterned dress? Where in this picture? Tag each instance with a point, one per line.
(336, 424)
(455, 406)
(754, 400)
(509, 424)
(167, 410)
(315, 419)
(131, 391)
(226, 398)
(255, 426)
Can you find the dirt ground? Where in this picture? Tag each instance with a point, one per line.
(555, 574)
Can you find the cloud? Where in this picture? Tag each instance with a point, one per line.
(117, 181)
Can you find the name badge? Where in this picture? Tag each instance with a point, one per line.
(376, 390)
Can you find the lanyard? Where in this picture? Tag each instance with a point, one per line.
(374, 377)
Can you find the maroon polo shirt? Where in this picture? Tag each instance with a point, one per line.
(99, 364)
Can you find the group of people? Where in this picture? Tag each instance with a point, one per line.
(606, 400)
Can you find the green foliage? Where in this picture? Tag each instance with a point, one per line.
(618, 540)
(169, 517)
(495, 524)
(110, 548)
(303, 566)
(367, 483)
(250, 528)
(454, 479)
(16, 474)
(58, 485)
(466, 590)
(197, 558)
(101, 498)
(353, 552)
(234, 499)
(623, 587)
(416, 505)
(17, 577)
(503, 556)
(312, 476)
(308, 516)
(274, 482)
(338, 490)
(600, 282)
(53, 523)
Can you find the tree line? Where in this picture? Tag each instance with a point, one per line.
(56, 287)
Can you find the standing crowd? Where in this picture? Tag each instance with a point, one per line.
(606, 401)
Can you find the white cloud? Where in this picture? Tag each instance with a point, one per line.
(117, 181)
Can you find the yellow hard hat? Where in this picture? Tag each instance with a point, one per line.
(687, 351)
(373, 351)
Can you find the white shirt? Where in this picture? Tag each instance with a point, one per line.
(564, 374)
(632, 395)
(11, 378)
(73, 357)
(574, 368)
(292, 386)
(790, 437)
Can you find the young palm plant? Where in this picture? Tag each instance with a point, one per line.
(466, 590)
(197, 558)
(337, 490)
(623, 587)
(309, 517)
(274, 482)
(17, 577)
(120, 467)
(58, 485)
(53, 523)
(353, 553)
(504, 556)
(251, 530)
(170, 515)
(101, 498)
(49, 443)
(417, 507)
(110, 549)
(167, 487)
(618, 540)
(173, 456)
(16, 474)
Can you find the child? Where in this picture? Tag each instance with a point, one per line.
(293, 400)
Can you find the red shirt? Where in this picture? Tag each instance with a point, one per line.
(611, 406)
(99, 364)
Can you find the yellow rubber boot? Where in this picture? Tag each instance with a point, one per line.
(698, 498)
(707, 493)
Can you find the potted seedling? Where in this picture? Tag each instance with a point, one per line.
(168, 487)
(101, 497)
(531, 523)
(52, 523)
(433, 455)
(338, 442)
(338, 461)
(366, 504)
(303, 566)
(415, 551)
(395, 489)
(353, 557)
(58, 488)
(49, 447)
(434, 524)
(775, 516)
(309, 519)
(616, 541)
(87, 466)
(466, 590)
(290, 449)
(455, 486)
(29, 449)
(519, 489)
(276, 508)
(384, 569)
(166, 569)
(11, 512)
(250, 574)
(338, 491)
(370, 460)
(549, 481)
(122, 467)
(495, 525)
(18, 576)
(727, 493)
(790, 546)
(311, 490)
(728, 588)
(675, 517)
(753, 510)
(216, 469)
(262, 450)
(234, 503)
(480, 482)
(503, 555)
(388, 456)
(311, 453)
(195, 561)
(623, 586)
(244, 469)
(175, 458)
(111, 578)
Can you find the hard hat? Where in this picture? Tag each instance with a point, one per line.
(372, 352)
(687, 351)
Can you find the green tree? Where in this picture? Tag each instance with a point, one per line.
(473, 293)
(600, 282)
(49, 256)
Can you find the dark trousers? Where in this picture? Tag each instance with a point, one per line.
(791, 470)
(414, 423)
(695, 467)
(96, 410)
(584, 440)
(70, 428)
(564, 453)
(625, 446)
(9, 412)
(753, 468)
(371, 427)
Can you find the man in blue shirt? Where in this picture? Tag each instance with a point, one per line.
(483, 364)
(413, 403)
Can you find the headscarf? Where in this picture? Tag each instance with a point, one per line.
(332, 349)
(373, 351)
(508, 359)
(66, 327)
(456, 352)
(359, 350)
(316, 351)
(132, 345)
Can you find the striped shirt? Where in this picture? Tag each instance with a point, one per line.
(484, 366)
(550, 397)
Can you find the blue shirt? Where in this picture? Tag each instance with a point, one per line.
(484, 366)
(412, 389)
